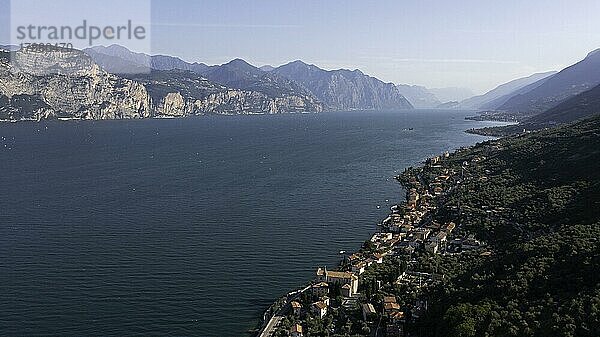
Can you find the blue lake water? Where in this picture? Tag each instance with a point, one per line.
(192, 227)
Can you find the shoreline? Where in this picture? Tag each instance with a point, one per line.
(391, 235)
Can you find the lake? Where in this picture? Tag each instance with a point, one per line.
(192, 227)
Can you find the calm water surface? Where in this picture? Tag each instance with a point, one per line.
(191, 227)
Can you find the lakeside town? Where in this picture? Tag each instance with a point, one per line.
(382, 289)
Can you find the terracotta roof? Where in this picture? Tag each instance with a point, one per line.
(397, 315)
(391, 306)
(320, 305)
(389, 299)
(339, 274)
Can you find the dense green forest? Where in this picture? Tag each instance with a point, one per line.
(535, 199)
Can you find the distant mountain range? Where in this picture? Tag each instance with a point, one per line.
(494, 98)
(576, 108)
(115, 83)
(344, 89)
(117, 59)
(335, 90)
(435, 98)
(542, 100)
(554, 89)
(76, 87)
(452, 94)
(420, 97)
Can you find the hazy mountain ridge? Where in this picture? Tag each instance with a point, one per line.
(344, 89)
(496, 103)
(419, 96)
(118, 59)
(569, 82)
(337, 90)
(452, 94)
(582, 106)
(183, 93)
(494, 96)
(239, 74)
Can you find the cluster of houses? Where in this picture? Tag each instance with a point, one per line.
(396, 318)
(325, 279)
(410, 227)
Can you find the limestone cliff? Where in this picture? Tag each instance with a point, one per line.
(66, 83)
(183, 93)
(60, 83)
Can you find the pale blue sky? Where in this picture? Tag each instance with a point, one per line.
(474, 44)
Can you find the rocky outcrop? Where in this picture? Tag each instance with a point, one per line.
(232, 102)
(182, 93)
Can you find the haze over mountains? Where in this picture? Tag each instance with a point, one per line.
(434, 98)
(492, 97)
(336, 90)
(565, 97)
(114, 82)
(419, 96)
(344, 89)
(569, 82)
(452, 94)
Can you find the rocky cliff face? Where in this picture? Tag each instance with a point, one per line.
(230, 102)
(344, 89)
(182, 93)
(63, 83)
(293, 87)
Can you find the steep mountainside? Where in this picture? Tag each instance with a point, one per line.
(418, 96)
(569, 82)
(482, 101)
(534, 200)
(239, 74)
(584, 105)
(344, 89)
(76, 87)
(498, 102)
(184, 93)
(120, 60)
(337, 90)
